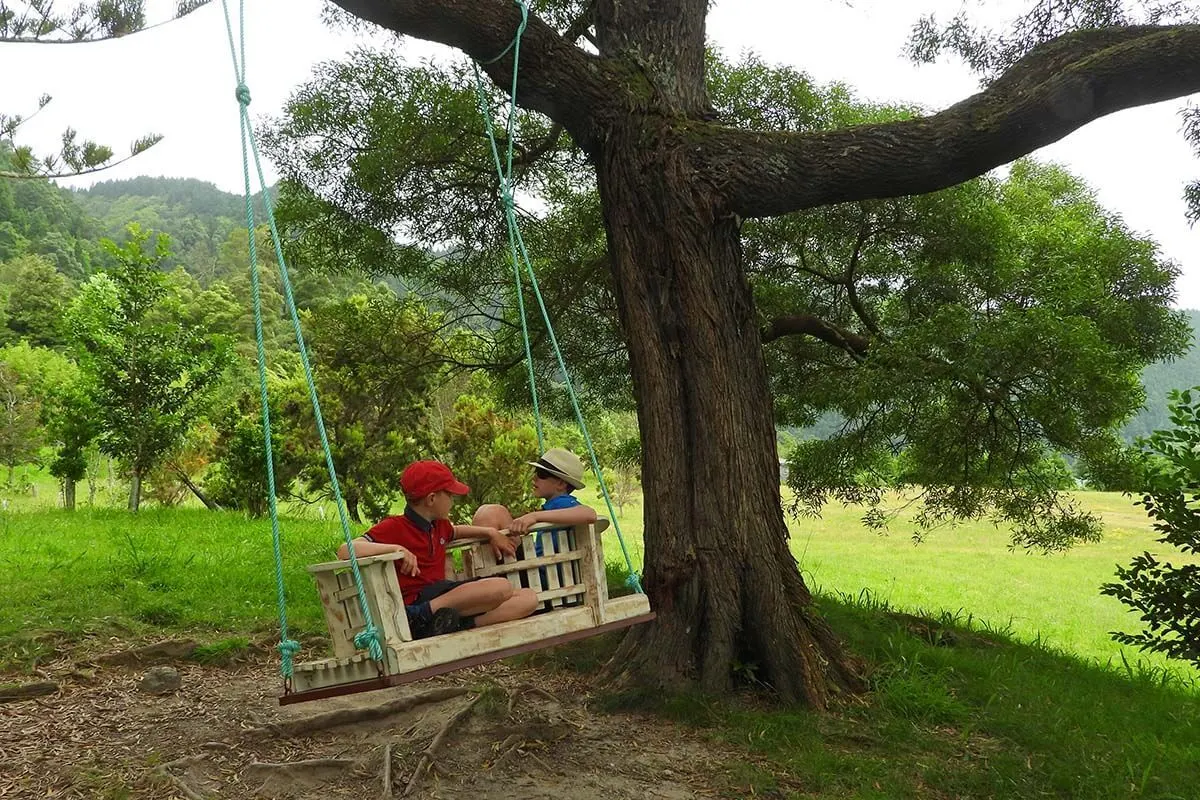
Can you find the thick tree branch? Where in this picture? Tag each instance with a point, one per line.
(1059, 87)
(812, 325)
(557, 78)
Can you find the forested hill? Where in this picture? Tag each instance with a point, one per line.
(197, 215)
(1159, 379)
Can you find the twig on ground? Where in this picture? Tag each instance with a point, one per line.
(427, 757)
(387, 771)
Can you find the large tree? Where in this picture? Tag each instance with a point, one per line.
(676, 184)
(681, 162)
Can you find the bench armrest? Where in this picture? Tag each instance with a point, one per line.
(330, 566)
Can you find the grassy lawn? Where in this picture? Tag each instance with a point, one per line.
(188, 566)
(1022, 705)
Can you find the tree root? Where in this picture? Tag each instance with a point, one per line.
(12, 693)
(165, 652)
(506, 748)
(427, 757)
(164, 771)
(332, 719)
(293, 771)
(521, 691)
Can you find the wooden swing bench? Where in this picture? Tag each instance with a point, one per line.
(569, 578)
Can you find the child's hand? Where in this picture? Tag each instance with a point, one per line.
(502, 546)
(523, 523)
(408, 564)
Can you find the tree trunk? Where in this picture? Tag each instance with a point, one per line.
(351, 501)
(719, 571)
(135, 490)
(69, 494)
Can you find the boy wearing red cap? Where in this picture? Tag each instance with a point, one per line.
(436, 605)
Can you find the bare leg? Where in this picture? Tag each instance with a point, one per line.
(492, 515)
(522, 603)
(476, 597)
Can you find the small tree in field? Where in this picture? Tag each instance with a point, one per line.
(67, 419)
(1168, 596)
(146, 373)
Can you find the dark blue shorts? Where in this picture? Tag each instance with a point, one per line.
(439, 588)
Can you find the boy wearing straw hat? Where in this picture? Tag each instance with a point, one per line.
(556, 475)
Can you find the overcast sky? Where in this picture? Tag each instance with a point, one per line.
(177, 80)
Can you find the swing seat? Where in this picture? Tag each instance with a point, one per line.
(569, 578)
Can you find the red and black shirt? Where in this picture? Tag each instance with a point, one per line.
(425, 539)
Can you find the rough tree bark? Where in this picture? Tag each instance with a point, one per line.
(674, 186)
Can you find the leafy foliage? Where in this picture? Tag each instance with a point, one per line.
(1167, 597)
(38, 295)
(980, 329)
(489, 452)
(238, 477)
(376, 366)
(19, 412)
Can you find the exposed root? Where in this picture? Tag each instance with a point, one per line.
(16, 692)
(430, 753)
(293, 771)
(510, 745)
(521, 691)
(332, 719)
(180, 783)
(167, 652)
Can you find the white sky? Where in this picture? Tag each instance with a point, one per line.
(177, 80)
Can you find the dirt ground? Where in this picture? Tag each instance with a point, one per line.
(492, 732)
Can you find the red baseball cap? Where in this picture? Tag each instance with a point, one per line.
(422, 478)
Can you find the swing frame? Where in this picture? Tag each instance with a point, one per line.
(569, 578)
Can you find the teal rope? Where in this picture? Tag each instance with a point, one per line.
(517, 243)
(368, 638)
(505, 172)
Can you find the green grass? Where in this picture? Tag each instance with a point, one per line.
(1030, 699)
(971, 571)
(985, 718)
(162, 569)
(188, 567)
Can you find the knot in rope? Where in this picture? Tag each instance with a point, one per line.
(242, 93)
(368, 639)
(633, 582)
(287, 651)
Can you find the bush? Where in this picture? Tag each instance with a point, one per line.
(1166, 596)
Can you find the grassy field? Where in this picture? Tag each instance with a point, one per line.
(1032, 700)
(189, 566)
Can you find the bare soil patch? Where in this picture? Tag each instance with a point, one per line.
(495, 732)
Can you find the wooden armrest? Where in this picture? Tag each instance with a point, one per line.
(330, 566)
(601, 525)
